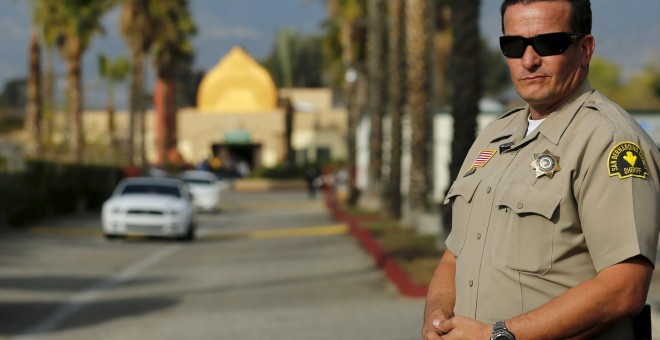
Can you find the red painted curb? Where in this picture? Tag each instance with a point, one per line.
(391, 267)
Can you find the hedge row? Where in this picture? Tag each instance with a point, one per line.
(46, 189)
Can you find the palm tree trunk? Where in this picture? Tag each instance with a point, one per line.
(466, 83)
(290, 157)
(396, 100)
(376, 61)
(419, 19)
(353, 112)
(165, 112)
(33, 114)
(137, 93)
(112, 134)
(48, 96)
(143, 125)
(75, 102)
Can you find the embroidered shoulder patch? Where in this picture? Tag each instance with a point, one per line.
(627, 160)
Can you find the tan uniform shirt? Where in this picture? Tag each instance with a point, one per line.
(534, 216)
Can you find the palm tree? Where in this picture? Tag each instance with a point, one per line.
(112, 71)
(395, 102)
(467, 86)
(171, 50)
(376, 64)
(80, 20)
(138, 29)
(285, 55)
(34, 107)
(347, 23)
(50, 28)
(419, 33)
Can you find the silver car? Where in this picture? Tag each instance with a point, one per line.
(150, 206)
(206, 189)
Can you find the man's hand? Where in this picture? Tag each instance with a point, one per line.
(459, 327)
(429, 331)
(441, 296)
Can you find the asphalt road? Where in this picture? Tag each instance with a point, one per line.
(269, 266)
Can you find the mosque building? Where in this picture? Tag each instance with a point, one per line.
(238, 118)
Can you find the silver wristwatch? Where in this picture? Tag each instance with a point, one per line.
(500, 332)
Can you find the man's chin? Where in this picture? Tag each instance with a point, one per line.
(532, 96)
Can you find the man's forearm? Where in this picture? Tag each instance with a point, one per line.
(582, 311)
(441, 295)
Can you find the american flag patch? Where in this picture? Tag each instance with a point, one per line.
(483, 158)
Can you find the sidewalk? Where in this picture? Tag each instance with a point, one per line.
(394, 272)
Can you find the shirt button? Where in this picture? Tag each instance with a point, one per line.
(488, 190)
(519, 205)
(478, 236)
(471, 283)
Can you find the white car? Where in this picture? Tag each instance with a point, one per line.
(150, 206)
(206, 189)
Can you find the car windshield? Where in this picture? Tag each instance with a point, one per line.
(151, 189)
(198, 181)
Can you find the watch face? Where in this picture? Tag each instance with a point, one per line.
(502, 336)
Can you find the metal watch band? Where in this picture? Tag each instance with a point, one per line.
(500, 332)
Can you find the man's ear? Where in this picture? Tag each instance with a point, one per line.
(587, 46)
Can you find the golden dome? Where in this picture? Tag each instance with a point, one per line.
(237, 84)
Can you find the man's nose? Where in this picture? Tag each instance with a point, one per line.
(530, 59)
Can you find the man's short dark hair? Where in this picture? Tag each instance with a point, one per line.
(580, 13)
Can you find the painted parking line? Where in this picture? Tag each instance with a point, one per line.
(334, 229)
(326, 230)
(267, 205)
(77, 232)
(299, 232)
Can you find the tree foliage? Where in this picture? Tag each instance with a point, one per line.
(605, 76)
(639, 92)
(75, 23)
(295, 60)
(14, 95)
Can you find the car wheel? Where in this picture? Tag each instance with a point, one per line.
(111, 236)
(190, 235)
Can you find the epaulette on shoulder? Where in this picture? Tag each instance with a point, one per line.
(510, 112)
(602, 104)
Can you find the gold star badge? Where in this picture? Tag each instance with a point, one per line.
(545, 164)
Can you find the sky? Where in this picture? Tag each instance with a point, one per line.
(627, 32)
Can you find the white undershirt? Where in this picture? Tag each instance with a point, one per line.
(532, 124)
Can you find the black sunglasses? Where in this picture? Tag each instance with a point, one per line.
(547, 44)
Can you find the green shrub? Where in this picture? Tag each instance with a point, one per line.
(46, 188)
(280, 172)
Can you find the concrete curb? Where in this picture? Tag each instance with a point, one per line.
(394, 272)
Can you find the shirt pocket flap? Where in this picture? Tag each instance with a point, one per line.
(523, 199)
(465, 187)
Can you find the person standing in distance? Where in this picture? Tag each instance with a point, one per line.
(555, 213)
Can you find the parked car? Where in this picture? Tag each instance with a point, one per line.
(150, 206)
(206, 189)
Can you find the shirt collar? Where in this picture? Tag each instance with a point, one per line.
(553, 127)
(557, 122)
